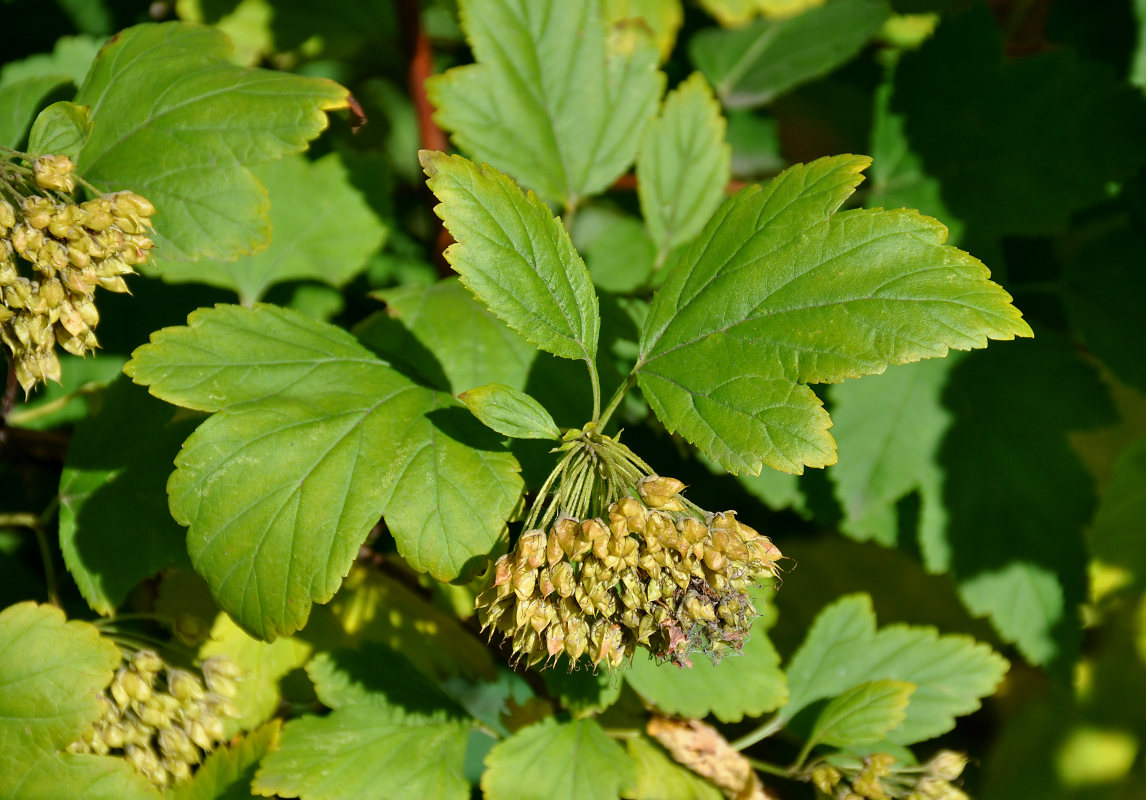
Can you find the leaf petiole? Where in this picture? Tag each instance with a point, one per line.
(600, 419)
(763, 732)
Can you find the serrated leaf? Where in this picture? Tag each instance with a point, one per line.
(1013, 530)
(535, 764)
(683, 165)
(369, 753)
(889, 429)
(510, 412)
(448, 337)
(228, 771)
(753, 65)
(72, 775)
(337, 438)
(739, 686)
(70, 60)
(515, 256)
(323, 230)
(736, 13)
(863, 714)
(781, 290)
(206, 123)
(843, 649)
(661, 778)
(662, 17)
(582, 691)
(103, 484)
(557, 109)
(376, 674)
(60, 129)
(617, 249)
(263, 665)
(19, 101)
(1116, 537)
(51, 671)
(1041, 163)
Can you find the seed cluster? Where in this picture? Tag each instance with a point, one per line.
(879, 778)
(69, 250)
(160, 719)
(654, 575)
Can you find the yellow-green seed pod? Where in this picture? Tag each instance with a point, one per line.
(7, 217)
(659, 492)
(947, 765)
(869, 786)
(183, 685)
(180, 770)
(825, 777)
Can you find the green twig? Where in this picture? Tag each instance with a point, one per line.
(763, 732)
(27, 415)
(596, 382)
(771, 769)
(618, 396)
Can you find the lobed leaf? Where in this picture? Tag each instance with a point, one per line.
(75, 776)
(755, 64)
(684, 164)
(515, 256)
(190, 150)
(323, 231)
(843, 649)
(368, 753)
(281, 488)
(863, 714)
(780, 290)
(548, 101)
(535, 764)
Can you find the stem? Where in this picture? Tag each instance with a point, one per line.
(771, 769)
(802, 757)
(37, 523)
(27, 415)
(595, 380)
(615, 401)
(570, 214)
(763, 732)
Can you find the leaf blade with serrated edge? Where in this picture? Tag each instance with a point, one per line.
(515, 256)
(510, 412)
(367, 752)
(779, 290)
(206, 121)
(863, 714)
(683, 165)
(339, 439)
(227, 772)
(951, 673)
(534, 764)
(658, 776)
(555, 110)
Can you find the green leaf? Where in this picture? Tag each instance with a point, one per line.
(448, 337)
(583, 691)
(75, 776)
(263, 665)
(548, 101)
(70, 60)
(780, 290)
(683, 165)
(1116, 537)
(661, 778)
(536, 764)
(617, 249)
(755, 64)
(510, 412)
(746, 685)
(60, 129)
(1017, 495)
(370, 753)
(889, 429)
(662, 17)
(176, 121)
(228, 771)
(515, 256)
(51, 671)
(340, 437)
(323, 231)
(863, 714)
(375, 673)
(19, 101)
(843, 649)
(1042, 164)
(103, 484)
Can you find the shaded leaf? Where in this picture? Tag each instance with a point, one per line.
(449, 337)
(515, 256)
(863, 714)
(805, 295)
(535, 764)
(1116, 537)
(583, 690)
(661, 778)
(843, 649)
(556, 108)
(323, 230)
(753, 65)
(370, 753)
(617, 249)
(209, 122)
(683, 165)
(510, 412)
(70, 60)
(19, 102)
(105, 484)
(375, 673)
(339, 438)
(739, 686)
(228, 771)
